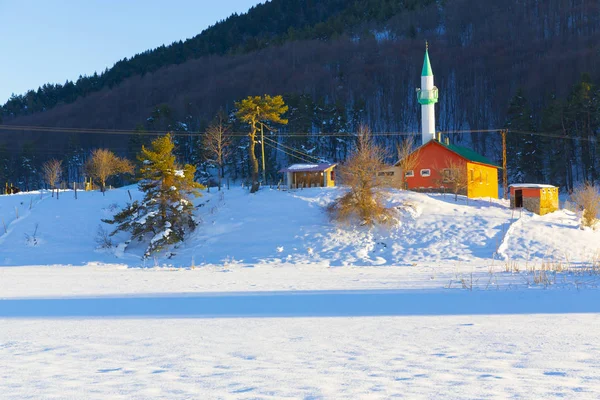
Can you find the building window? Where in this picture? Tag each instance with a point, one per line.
(425, 172)
(472, 173)
(409, 174)
(385, 173)
(332, 175)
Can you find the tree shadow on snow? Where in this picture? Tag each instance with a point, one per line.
(371, 303)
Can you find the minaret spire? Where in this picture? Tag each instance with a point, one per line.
(427, 96)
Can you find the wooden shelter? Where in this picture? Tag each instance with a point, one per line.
(309, 175)
(441, 166)
(539, 199)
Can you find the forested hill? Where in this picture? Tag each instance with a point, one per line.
(264, 25)
(504, 63)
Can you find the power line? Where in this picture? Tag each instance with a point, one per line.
(180, 133)
(46, 129)
(289, 154)
(293, 150)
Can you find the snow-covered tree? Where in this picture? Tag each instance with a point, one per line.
(165, 214)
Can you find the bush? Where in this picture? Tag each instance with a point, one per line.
(359, 173)
(587, 200)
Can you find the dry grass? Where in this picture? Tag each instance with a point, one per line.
(467, 283)
(512, 267)
(587, 200)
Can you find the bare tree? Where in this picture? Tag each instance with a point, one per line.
(359, 173)
(52, 171)
(217, 145)
(104, 163)
(454, 174)
(408, 158)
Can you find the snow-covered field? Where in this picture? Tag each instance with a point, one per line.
(269, 299)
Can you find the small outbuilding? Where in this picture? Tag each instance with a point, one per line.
(309, 175)
(537, 198)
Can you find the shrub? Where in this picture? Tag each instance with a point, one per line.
(587, 200)
(359, 173)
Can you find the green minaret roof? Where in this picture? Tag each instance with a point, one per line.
(426, 64)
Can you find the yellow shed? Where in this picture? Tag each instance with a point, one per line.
(309, 175)
(537, 198)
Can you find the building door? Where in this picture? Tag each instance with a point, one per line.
(518, 198)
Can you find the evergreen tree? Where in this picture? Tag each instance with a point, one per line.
(136, 141)
(582, 120)
(525, 162)
(557, 150)
(5, 167)
(256, 111)
(74, 159)
(28, 167)
(166, 213)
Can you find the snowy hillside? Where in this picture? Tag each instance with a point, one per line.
(293, 228)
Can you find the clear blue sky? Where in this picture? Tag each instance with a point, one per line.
(45, 41)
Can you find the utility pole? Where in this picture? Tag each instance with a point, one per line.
(262, 144)
(504, 171)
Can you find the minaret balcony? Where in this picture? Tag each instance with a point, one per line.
(427, 96)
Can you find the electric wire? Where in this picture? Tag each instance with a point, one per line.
(292, 149)
(46, 129)
(289, 154)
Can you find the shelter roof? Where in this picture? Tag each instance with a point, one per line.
(308, 167)
(531, 185)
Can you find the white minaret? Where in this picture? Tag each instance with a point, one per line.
(427, 96)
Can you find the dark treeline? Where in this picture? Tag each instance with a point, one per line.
(516, 64)
(272, 23)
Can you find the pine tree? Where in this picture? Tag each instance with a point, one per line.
(28, 167)
(582, 119)
(166, 213)
(256, 111)
(557, 150)
(524, 154)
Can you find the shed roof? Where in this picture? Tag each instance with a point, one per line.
(308, 167)
(531, 185)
